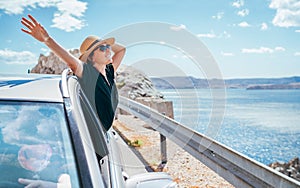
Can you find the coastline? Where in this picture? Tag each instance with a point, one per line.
(184, 168)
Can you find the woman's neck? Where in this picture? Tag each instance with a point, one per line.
(100, 68)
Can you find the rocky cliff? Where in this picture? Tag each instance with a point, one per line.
(291, 168)
(133, 84)
(51, 64)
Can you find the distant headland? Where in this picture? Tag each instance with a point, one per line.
(243, 83)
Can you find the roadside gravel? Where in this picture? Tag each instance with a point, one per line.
(185, 169)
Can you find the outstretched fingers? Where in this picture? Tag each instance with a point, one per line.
(34, 28)
(30, 24)
(27, 24)
(25, 181)
(25, 31)
(33, 19)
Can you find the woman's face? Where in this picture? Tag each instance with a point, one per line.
(102, 54)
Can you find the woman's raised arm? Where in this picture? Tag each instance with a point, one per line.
(119, 51)
(37, 31)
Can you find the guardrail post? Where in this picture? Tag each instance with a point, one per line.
(163, 152)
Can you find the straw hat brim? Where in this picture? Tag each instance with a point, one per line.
(83, 57)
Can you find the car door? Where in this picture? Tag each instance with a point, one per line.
(103, 143)
(101, 140)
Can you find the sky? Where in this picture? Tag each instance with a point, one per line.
(202, 38)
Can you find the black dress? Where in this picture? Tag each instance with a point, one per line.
(102, 94)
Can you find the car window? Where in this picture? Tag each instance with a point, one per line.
(35, 143)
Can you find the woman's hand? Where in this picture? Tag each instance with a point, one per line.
(64, 181)
(35, 29)
(37, 183)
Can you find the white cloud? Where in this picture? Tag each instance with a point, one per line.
(287, 13)
(68, 17)
(207, 35)
(178, 28)
(225, 35)
(13, 57)
(213, 35)
(297, 31)
(244, 24)
(263, 26)
(228, 54)
(297, 54)
(279, 48)
(238, 3)
(243, 12)
(67, 22)
(46, 50)
(262, 50)
(219, 16)
(17, 7)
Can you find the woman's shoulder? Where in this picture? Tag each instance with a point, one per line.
(88, 72)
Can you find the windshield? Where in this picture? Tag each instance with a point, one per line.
(35, 143)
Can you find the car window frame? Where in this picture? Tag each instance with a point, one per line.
(75, 110)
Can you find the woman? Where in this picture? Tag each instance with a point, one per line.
(95, 67)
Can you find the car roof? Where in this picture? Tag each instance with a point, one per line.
(30, 87)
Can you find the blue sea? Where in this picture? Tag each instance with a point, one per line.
(262, 124)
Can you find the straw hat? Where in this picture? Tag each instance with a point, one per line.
(89, 45)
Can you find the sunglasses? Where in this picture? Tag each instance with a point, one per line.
(103, 48)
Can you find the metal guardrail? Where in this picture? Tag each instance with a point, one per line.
(236, 168)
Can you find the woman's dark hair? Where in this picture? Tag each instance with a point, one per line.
(89, 59)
